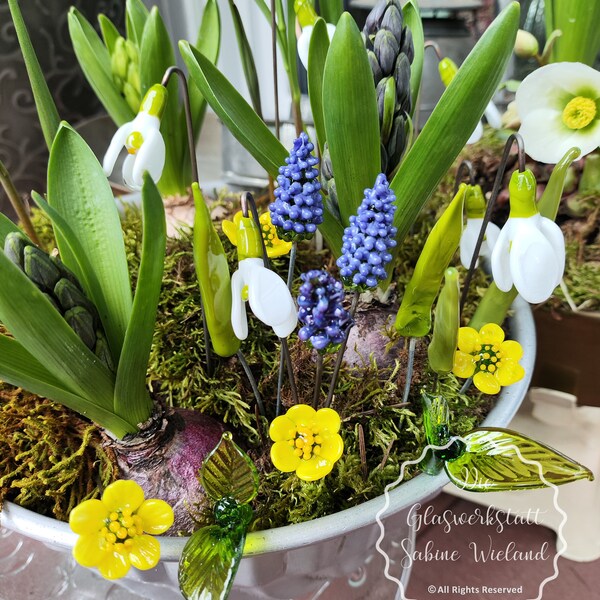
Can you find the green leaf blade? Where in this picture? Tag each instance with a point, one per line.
(110, 34)
(245, 125)
(158, 56)
(42, 332)
(453, 120)
(46, 109)
(412, 19)
(79, 191)
(136, 15)
(317, 55)
(131, 393)
(228, 472)
(20, 368)
(331, 10)
(94, 59)
(351, 117)
(491, 463)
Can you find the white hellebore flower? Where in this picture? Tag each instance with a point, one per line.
(269, 297)
(143, 141)
(448, 69)
(307, 18)
(559, 107)
(530, 250)
(475, 206)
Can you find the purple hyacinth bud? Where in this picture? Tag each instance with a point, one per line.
(298, 205)
(320, 310)
(368, 238)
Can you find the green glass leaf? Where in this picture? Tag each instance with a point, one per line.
(351, 117)
(131, 392)
(44, 104)
(412, 19)
(317, 54)
(238, 116)
(94, 60)
(453, 119)
(228, 471)
(209, 562)
(491, 463)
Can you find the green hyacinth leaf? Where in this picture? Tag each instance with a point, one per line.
(136, 15)
(351, 117)
(209, 562)
(228, 472)
(412, 20)
(491, 463)
(317, 55)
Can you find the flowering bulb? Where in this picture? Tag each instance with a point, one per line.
(298, 206)
(321, 313)
(368, 238)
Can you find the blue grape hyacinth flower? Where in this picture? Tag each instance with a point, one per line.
(320, 311)
(298, 206)
(369, 237)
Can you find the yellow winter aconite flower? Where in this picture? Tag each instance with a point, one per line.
(113, 531)
(485, 356)
(306, 441)
(275, 246)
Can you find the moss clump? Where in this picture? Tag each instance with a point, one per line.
(50, 460)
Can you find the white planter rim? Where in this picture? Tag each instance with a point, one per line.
(288, 537)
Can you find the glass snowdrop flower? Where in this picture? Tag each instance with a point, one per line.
(448, 69)
(269, 297)
(559, 107)
(475, 206)
(142, 140)
(307, 18)
(530, 250)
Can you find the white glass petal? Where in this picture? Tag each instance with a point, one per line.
(128, 172)
(468, 241)
(532, 262)
(549, 86)
(284, 329)
(269, 297)
(239, 320)
(493, 116)
(492, 232)
(476, 135)
(555, 236)
(150, 157)
(116, 145)
(303, 45)
(500, 259)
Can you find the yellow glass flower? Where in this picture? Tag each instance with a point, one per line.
(113, 531)
(275, 246)
(306, 441)
(485, 356)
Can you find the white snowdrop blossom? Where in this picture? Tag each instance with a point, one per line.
(267, 293)
(559, 107)
(307, 18)
(475, 206)
(530, 250)
(142, 140)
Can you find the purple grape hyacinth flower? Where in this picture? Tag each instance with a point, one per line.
(368, 238)
(320, 311)
(298, 206)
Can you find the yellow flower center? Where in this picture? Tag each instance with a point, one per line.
(579, 112)
(134, 142)
(120, 528)
(306, 441)
(488, 358)
(269, 232)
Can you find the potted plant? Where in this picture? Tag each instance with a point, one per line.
(100, 334)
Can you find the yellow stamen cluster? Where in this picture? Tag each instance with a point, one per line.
(134, 142)
(489, 358)
(120, 529)
(306, 441)
(579, 112)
